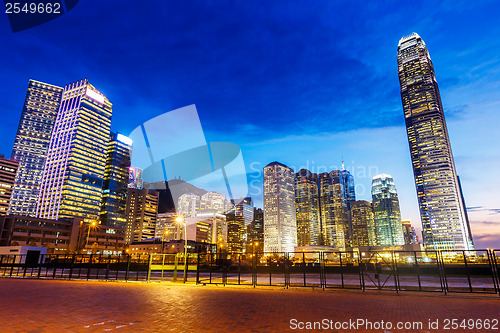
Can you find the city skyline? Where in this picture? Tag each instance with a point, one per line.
(462, 67)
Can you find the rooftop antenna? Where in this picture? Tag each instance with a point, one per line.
(343, 162)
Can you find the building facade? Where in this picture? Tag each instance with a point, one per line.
(409, 232)
(116, 179)
(333, 208)
(363, 224)
(73, 175)
(141, 212)
(31, 144)
(255, 232)
(8, 170)
(280, 224)
(442, 208)
(386, 211)
(307, 207)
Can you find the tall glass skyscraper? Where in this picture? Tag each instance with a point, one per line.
(386, 211)
(116, 176)
(31, 144)
(280, 225)
(442, 208)
(333, 209)
(307, 204)
(74, 170)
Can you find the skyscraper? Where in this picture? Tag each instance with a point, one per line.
(386, 211)
(280, 225)
(31, 144)
(141, 212)
(409, 232)
(442, 207)
(74, 169)
(8, 169)
(116, 177)
(363, 224)
(307, 204)
(188, 205)
(238, 218)
(333, 209)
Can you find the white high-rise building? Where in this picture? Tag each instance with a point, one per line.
(188, 205)
(212, 201)
(280, 225)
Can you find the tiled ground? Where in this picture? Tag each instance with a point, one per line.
(81, 306)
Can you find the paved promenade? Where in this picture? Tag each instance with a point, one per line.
(81, 306)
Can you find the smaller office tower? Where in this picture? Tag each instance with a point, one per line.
(188, 205)
(8, 170)
(409, 232)
(363, 224)
(31, 144)
(116, 177)
(212, 201)
(386, 211)
(255, 232)
(333, 209)
(307, 205)
(141, 212)
(280, 224)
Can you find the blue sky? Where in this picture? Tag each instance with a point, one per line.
(304, 83)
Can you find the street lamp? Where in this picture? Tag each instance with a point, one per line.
(92, 224)
(180, 220)
(165, 234)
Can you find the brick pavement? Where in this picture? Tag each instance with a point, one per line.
(81, 306)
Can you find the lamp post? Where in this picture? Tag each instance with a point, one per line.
(162, 240)
(181, 220)
(92, 224)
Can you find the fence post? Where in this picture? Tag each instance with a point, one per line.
(341, 269)
(361, 269)
(418, 270)
(304, 266)
(467, 270)
(107, 266)
(198, 269)
(150, 260)
(395, 266)
(176, 261)
(71, 267)
(128, 267)
(55, 266)
(90, 267)
(25, 266)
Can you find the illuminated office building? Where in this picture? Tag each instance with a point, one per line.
(8, 169)
(333, 205)
(386, 211)
(255, 232)
(307, 205)
(188, 205)
(31, 144)
(212, 201)
(135, 178)
(363, 224)
(238, 218)
(116, 178)
(409, 232)
(141, 212)
(73, 175)
(442, 208)
(280, 225)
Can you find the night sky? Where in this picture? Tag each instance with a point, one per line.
(306, 83)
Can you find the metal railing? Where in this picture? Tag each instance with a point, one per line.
(434, 271)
